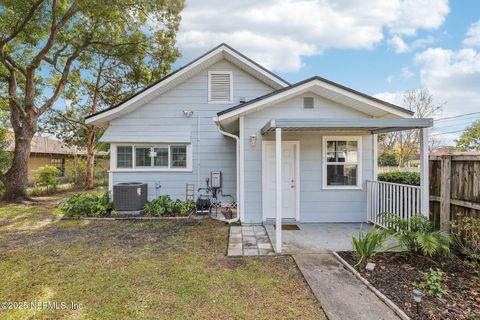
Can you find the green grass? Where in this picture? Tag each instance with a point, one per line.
(132, 270)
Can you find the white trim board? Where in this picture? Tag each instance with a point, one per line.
(297, 177)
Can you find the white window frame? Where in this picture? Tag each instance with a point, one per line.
(210, 86)
(358, 139)
(152, 168)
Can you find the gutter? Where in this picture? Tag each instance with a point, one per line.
(237, 145)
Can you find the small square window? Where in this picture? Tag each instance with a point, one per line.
(59, 164)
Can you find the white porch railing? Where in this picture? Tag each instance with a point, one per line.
(399, 199)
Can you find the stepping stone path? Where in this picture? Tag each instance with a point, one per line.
(249, 241)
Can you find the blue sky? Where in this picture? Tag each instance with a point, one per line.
(378, 47)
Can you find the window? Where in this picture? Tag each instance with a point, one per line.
(159, 157)
(59, 164)
(342, 162)
(178, 156)
(220, 88)
(124, 157)
(308, 102)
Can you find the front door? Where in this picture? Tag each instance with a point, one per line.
(289, 183)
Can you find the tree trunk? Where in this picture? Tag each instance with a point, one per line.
(90, 157)
(16, 178)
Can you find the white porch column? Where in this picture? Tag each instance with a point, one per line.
(424, 174)
(278, 187)
(375, 156)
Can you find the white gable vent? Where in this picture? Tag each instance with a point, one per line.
(308, 102)
(220, 86)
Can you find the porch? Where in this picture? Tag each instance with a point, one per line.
(317, 237)
(401, 200)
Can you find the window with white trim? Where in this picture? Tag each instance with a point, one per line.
(342, 162)
(220, 86)
(174, 156)
(124, 156)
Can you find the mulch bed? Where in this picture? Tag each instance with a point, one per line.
(395, 275)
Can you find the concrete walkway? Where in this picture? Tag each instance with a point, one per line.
(249, 241)
(340, 293)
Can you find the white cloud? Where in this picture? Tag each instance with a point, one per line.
(452, 76)
(393, 97)
(400, 46)
(279, 33)
(406, 73)
(390, 78)
(473, 35)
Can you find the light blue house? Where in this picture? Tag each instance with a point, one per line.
(224, 112)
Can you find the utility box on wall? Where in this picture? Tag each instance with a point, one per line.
(216, 179)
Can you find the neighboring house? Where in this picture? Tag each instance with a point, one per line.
(224, 112)
(48, 151)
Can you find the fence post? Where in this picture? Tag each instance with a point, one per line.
(445, 187)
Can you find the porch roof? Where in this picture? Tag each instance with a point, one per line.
(372, 125)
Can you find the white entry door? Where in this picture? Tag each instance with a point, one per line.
(289, 180)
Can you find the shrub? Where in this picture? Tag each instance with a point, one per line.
(410, 178)
(161, 206)
(418, 236)
(187, 207)
(47, 176)
(75, 171)
(433, 282)
(388, 160)
(367, 245)
(88, 204)
(466, 236)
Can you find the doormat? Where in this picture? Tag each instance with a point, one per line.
(288, 227)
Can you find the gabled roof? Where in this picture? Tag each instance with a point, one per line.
(326, 88)
(222, 51)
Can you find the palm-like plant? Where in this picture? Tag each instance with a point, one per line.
(367, 245)
(417, 235)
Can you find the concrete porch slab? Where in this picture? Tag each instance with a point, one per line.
(318, 237)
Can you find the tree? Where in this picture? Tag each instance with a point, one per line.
(5, 157)
(469, 139)
(114, 77)
(405, 143)
(45, 44)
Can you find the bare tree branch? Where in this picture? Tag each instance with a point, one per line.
(63, 80)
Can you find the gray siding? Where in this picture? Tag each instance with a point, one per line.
(163, 117)
(316, 204)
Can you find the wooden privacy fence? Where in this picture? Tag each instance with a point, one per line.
(454, 188)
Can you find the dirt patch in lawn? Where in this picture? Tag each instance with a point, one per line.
(396, 274)
(141, 269)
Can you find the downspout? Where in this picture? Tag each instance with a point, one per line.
(237, 147)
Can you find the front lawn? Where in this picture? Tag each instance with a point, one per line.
(139, 269)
